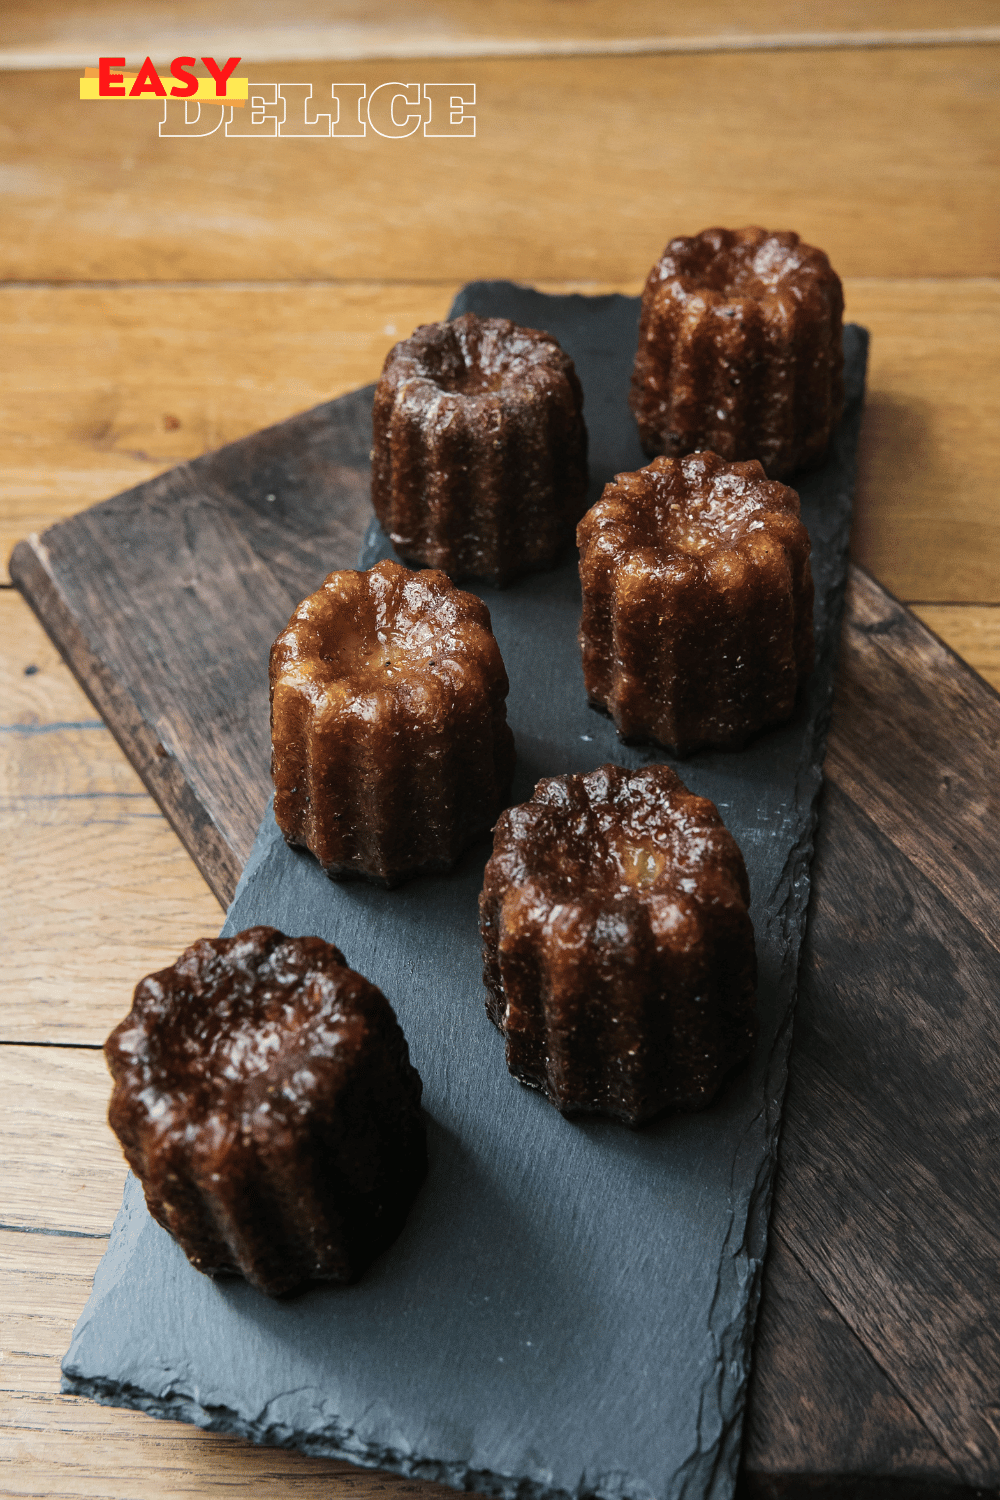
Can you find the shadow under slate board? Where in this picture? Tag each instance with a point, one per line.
(570, 1307)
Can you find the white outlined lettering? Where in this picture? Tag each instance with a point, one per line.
(447, 113)
(254, 118)
(382, 110)
(297, 121)
(349, 99)
(178, 119)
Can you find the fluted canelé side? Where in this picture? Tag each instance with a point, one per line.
(265, 1099)
(390, 747)
(618, 951)
(479, 454)
(697, 623)
(740, 350)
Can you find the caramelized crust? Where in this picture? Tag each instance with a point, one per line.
(479, 463)
(697, 623)
(391, 750)
(740, 350)
(265, 1099)
(618, 952)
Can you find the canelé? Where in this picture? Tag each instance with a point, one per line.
(740, 350)
(618, 950)
(265, 1099)
(391, 750)
(697, 622)
(479, 460)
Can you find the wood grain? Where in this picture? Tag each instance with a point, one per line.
(863, 1367)
(245, 522)
(885, 1198)
(803, 1352)
(97, 887)
(973, 633)
(66, 34)
(61, 1168)
(838, 143)
(63, 1445)
(114, 385)
(926, 522)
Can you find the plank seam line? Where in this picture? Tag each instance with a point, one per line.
(10, 1041)
(841, 776)
(331, 45)
(72, 1234)
(951, 604)
(445, 283)
(49, 728)
(857, 1339)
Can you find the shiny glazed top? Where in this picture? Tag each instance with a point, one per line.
(389, 637)
(690, 515)
(248, 1031)
(725, 267)
(472, 357)
(616, 835)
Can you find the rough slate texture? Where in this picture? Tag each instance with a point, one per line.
(570, 1305)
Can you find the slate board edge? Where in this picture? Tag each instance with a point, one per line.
(750, 1239)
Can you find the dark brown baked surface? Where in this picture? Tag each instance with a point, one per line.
(391, 750)
(618, 952)
(479, 461)
(740, 350)
(697, 623)
(265, 1099)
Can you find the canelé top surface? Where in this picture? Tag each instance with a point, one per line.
(611, 835)
(367, 641)
(683, 512)
(729, 266)
(257, 1025)
(473, 357)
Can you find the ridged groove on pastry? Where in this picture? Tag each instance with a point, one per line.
(479, 460)
(697, 625)
(740, 350)
(618, 954)
(264, 1098)
(391, 750)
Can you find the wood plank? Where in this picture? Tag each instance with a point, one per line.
(68, 35)
(52, 1444)
(61, 1168)
(817, 1390)
(110, 403)
(926, 521)
(883, 1198)
(98, 888)
(252, 529)
(887, 1155)
(973, 633)
(883, 158)
(114, 385)
(934, 799)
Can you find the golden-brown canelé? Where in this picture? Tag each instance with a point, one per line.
(697, 623)
(391, 750)
(265, 1099)
(618, 951)
(740, 350)
(479, 462)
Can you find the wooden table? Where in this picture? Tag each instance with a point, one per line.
(163, 296)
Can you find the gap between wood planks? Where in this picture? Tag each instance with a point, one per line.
(333, 44)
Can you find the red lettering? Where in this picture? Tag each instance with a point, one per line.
(179, 68)
(220, 74)
(147, 82)
(105, 77)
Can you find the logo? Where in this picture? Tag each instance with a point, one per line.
(199, 106)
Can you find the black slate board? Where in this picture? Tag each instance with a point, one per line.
(570, 1306)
